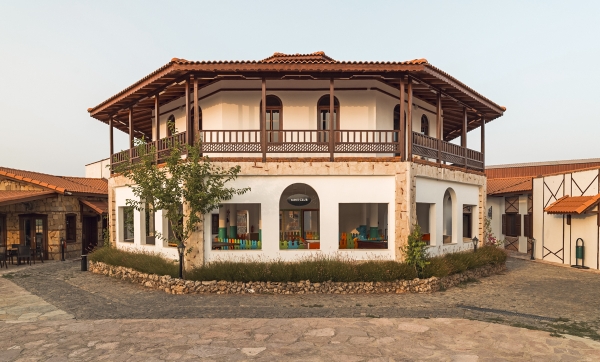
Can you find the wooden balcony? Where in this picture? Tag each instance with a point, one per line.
(315, 141)
(443, 151)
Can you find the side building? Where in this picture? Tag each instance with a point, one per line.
(343, 158)
(553, 204)
(44, 211)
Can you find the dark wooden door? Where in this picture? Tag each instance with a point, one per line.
(33, 231)
(90, 234)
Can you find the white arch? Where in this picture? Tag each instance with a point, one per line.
(449, 219)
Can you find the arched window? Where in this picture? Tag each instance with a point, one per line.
(424, 125)
(323, 116)
(299, 218)
(273, 118)
(171, 126)
(449, 224)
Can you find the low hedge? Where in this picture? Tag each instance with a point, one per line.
(316, 270)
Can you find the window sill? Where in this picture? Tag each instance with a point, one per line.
(130, 241)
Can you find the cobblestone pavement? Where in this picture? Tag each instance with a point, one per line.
(117, 320)
(528, 293)
(303, 339)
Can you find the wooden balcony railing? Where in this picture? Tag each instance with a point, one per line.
(314, 141)
(434, 148)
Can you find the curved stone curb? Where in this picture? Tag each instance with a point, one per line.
(180, 286)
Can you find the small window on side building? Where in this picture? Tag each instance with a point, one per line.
(71, 228)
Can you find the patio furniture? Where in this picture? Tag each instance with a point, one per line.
(23, 252)
(37, 252)
(3, 256)
(12, 252)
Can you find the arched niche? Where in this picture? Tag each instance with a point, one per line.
(299, 218)
(449, 225)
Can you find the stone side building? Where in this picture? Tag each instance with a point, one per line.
(42, 211)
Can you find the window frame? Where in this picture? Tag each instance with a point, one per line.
(124, 225)
(169, 132)
(149, 239)
(73, 226)
(424, 120)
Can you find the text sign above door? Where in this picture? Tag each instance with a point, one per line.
(299, 200)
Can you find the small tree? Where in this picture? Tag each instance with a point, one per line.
(193, 180)
(415, 250)
(488, 236)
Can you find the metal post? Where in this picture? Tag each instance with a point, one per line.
(84, 263)
(180, 265)
(532, 249)
(62, 249)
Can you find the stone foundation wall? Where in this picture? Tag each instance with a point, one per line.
(180, 286)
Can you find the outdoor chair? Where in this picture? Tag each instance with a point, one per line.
(3, 256)
(23, 252)
(12, 252)
(37, 252)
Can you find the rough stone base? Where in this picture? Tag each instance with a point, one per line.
(179, 286)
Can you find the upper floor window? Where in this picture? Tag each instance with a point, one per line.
(424, 125)
(323, 117)
(273, 118)
(170, 125)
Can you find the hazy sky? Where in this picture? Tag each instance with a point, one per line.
(540, 59)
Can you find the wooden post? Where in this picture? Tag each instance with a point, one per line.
(157, 117)
(409, 127)
(402, 133)
(332, 118)
(483, 141)
(463, 137)
(263, 111)
(112, 144)
(130, 133)
(196, 124)
(440, 127)
(187, 113)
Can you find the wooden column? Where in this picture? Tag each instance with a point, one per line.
(409, 130)
(188, 127)
(196, 124)
(440, 126)
(463, 137)
(483, 140)
(332, 117)
(402, 133)
(112, 144)
(157, 117)
(263, 111)
(130, 133)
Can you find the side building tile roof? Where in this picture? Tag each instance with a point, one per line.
(60, 184)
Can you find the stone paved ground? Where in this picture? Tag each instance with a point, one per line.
(117, 320)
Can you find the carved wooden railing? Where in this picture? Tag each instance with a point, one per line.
(226, 141)
(434, 148)
(367, 141)
(297, 141)
(164, 145)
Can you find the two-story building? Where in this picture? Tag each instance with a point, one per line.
(350, 185)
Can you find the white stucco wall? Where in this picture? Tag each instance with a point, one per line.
(98, 169)
(431, 191)
(556, 240)
(332, 190)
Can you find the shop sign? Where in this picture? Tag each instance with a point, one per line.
(299, 200)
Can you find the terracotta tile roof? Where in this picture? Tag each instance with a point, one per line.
(100, 206)
(573, 204)
(496, 186)
(9, 197)
(60, 184)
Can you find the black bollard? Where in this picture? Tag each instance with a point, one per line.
(84, 263)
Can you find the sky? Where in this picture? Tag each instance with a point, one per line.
(540, 59)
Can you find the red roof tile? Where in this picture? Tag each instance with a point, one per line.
(60, 184)
(9, 197)
(573, 204)
(497, 186)
(100, 206)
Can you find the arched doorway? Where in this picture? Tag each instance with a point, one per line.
(449, 224)
(299, 219)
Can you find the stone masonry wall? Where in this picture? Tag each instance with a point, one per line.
(55, 208)
(180, 286)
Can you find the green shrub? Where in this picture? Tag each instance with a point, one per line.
(143, 262)
(415, 250)
(316, 270)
